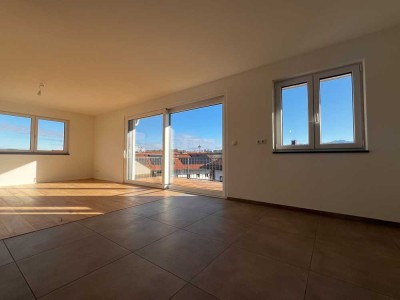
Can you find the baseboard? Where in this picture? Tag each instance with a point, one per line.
(319, 212)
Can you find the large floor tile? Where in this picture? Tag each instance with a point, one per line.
(219, 228)
(369, 269)
(54, 268)
(128, 278)
(32, 243)
(152, 208)
(163, 193)
(242, 212)
(200, 203)
(182, 253)
(110, 221)
(193, 293)
(238, 274)
(372, 238)
(291, 248)
(179, 217)
(12, 284)
(290, 221)
(13, 224)
(324, 288)
(139, 234)
(5, 257)
(394, 233)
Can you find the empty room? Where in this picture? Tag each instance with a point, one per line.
(225, 149)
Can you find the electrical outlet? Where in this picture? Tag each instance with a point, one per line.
(261, 142)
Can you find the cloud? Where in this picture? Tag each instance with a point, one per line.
(6, 127)
(179, 141)
(142, 142)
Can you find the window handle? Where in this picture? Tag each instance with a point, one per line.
(317, 118)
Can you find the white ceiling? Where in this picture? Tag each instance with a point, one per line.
(97, 55)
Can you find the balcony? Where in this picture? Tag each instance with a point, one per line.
(194, 171)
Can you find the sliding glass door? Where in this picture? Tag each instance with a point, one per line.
(145, 150)
(196, 149)
(179, 148)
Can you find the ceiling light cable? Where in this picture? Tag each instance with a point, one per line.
(41, 85)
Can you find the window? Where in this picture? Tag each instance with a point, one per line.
(31, 134)
(320, 112)
(15, 133)
(50, 135)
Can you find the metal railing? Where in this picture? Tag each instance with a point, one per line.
(201, 167)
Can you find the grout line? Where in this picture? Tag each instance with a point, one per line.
(352, 284)
(212, 261)
(77, 221)
(337, 278)
(196, 287)
(134, 251)
(99, 234)
(153, 263)
(80, 277)
(312, 255)
(172, 296)
(229, 246)
(9, 252)
(175, 225)
(22, 274)
(92, 230)
(59, 246)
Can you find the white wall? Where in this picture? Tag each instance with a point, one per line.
(24, 169)
(361, 184)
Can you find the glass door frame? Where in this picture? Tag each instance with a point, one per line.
(198, 105)
(161, 112)
(166, 149)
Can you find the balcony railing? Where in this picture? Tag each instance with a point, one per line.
(205, 167)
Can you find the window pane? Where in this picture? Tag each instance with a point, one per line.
(295, 115)
(197, 148)
(145, 149)
(15, 132)
(50, 135)
(336, 109)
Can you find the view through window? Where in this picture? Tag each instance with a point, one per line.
(196, 148)
(145, 149)
(18, 135)
(320, 111)
(195, 152)
(15, 133)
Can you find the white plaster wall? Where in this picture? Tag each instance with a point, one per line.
(25, 169)
(361, 184)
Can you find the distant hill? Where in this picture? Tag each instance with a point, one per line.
(340, 142)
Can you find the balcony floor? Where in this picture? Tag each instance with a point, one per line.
(189, 183)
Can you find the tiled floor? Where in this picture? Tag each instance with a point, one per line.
(195, 247)
(27, 208)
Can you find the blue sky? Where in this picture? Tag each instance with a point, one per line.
(15, 133)
(190, 129)
(50, 135)
(336, 106)
(336, 112)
